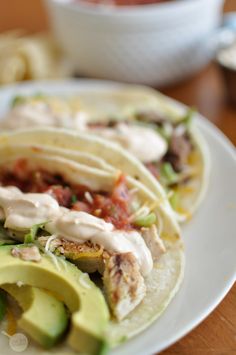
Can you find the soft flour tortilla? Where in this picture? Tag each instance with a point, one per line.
(165, 279)
(121, 104)
(52, 160)
(162, 285)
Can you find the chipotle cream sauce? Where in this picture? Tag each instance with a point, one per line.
(143, 142)
(22, 210)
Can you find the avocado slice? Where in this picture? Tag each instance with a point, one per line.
(36, 303)
(90, 315)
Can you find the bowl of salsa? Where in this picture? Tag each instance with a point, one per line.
(154, 42)
(122, 2)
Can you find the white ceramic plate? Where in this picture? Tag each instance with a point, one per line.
(210, 237)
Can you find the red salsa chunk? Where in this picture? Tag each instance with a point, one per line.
(113, 207)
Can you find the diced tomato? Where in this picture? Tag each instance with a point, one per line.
(61, 194)
(20, 168)
(81, 206)
(112, 207)
(121, 191)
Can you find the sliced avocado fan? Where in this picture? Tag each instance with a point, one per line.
(90, 315)
(44, 318)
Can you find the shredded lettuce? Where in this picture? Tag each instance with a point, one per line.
(30, 237)
(146, 221)
(168, 175)
(3, 305)
(188, 118)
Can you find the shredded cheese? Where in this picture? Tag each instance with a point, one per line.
(88, 197)
(49, 253)
(141, 212)
(47, 246)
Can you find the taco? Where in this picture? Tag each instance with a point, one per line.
(157, 131)
(99, 218)
(160, 133)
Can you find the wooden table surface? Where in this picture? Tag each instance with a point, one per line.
(217, 334)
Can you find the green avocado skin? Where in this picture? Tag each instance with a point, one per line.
(44, 318)
(85, 301)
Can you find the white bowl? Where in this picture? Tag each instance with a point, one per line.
(151, 44)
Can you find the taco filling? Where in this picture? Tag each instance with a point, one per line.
(167, 147)
(100, 231)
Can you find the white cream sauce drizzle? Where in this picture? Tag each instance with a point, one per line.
(40, 114)
(146, 144)
(23, 210)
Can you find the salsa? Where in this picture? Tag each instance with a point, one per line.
(123, 2)
(112, 207)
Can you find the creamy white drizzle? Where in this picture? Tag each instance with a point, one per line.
(146, 144)
(23, 210)
(40, 114)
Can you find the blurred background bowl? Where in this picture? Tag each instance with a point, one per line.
(151, 44)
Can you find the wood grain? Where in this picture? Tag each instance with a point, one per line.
(28, 15)
(217, 334)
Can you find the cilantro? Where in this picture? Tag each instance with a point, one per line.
(74, 199)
